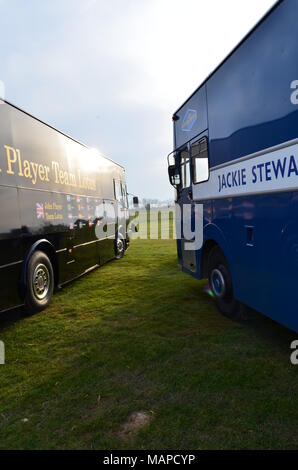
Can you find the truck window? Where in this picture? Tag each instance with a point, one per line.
(185, 168)
(118, 190)
(124, 194)
(121, 193)
(200, 162)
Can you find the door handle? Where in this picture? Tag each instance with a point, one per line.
(249, 235)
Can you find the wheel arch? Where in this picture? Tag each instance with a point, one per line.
(121, 229)
(207, 248)
(46, 247)
(213, 237)
(122, 232)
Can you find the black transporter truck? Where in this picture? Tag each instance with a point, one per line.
(63, 210)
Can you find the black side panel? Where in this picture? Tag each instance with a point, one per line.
(52, 190)
(10, 248)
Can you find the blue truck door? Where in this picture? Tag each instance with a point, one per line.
(189, 123)
(186, 204)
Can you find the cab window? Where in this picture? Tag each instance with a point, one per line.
(185, 169)
(200, 161)
(124, 194)
(118, 190)
(121, 192)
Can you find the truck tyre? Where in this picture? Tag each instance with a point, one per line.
(39, 282)
(119, 246)
(220, 282)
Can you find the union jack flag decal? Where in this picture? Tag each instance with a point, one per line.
(39, 211)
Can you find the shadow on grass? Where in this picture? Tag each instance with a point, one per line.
(257, 324)
(270, 331)
(145, 337)
(10, 317)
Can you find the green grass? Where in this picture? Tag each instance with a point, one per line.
(144, 337)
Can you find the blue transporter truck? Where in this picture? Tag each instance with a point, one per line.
(236, 153)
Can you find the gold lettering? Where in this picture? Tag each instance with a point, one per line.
(27, 169)
(57, 207)
(86, 183)
(19, 162)
(38, 172)
(34, 167)
(47, 170)
(41, 172)
(55, 167)
(11, 158)
(72, 179)
(62, 176)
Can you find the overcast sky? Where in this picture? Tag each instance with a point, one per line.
(111, 72)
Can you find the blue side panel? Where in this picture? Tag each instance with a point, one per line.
(250, 109)
(265, 273)
(249, 101)
(192, 119)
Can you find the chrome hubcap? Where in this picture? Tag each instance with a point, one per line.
(218, 284)
(41, 281)
(120, 246)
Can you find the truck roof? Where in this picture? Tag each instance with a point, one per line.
(57, 130)
(275, 5)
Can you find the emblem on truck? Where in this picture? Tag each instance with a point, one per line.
(189, 120)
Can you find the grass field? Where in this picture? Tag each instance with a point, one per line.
(140, 336)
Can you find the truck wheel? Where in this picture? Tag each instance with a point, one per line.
(119, 246)
(220, 282)
(40, 282)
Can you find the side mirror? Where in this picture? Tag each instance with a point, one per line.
(135, 201)
(174, 175)
(133, 228)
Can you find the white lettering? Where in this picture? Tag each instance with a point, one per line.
(294, 95)
(2, 353)
(294, 355)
